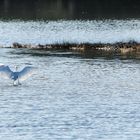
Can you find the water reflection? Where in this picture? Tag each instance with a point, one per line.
(76, 54)
(68, 9)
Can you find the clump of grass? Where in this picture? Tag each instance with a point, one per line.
(118, 46)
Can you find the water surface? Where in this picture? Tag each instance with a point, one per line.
(60, 32)
(71, 97)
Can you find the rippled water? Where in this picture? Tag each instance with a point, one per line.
(71, 97)
(52, 32)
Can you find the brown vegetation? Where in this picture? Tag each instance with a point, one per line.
(117, 47)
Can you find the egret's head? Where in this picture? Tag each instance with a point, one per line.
(16, 67)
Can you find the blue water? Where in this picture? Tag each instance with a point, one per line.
(71, 97)
(52, 32)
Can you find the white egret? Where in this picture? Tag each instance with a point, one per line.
(16, 76)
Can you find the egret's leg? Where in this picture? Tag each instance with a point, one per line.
(14, 83)
(19, 82)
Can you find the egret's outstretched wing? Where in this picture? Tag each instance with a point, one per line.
(26, 72)
(5, 72)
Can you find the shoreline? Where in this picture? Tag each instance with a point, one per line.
(116, 47)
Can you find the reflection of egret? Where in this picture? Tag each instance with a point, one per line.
(16, 76)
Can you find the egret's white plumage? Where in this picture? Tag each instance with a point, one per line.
(25, 73)
(7, 73)
(1, 64)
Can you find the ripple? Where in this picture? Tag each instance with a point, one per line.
(71, 98)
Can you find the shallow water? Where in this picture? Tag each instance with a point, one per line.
(53, 32)
(71, 97)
